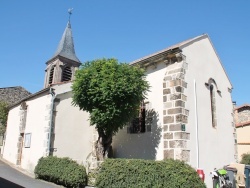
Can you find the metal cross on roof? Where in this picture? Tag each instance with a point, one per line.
(70, 12)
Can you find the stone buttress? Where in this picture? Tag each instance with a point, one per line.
(175, 114)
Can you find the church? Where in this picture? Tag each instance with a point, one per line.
(188, 112)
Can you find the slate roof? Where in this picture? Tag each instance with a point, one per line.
(13, 94)
(66, 45)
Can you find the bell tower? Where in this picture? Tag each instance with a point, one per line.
(62, 66)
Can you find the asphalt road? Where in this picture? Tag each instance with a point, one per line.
(12, 178)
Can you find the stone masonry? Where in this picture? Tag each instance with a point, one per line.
(175, 115)
(243, 114)
(22, 123)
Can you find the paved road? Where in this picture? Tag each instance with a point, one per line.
(12, 178)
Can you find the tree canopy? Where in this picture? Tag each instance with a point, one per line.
(110, 91)
(3, 116)
(245, 159)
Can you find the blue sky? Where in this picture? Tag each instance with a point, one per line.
(127, 30)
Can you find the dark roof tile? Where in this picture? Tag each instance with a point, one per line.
(66, 45)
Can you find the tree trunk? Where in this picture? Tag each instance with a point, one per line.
(103, 145)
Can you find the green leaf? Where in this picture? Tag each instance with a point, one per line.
(110, 91)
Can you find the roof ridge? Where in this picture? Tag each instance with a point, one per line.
(13, 87)
(242, 106)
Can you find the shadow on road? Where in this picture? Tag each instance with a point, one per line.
(7, 184)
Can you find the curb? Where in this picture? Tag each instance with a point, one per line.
(18, 168)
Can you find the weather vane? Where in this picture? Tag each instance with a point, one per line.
(70, 12)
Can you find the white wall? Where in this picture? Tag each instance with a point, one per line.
(146, 145)
(73, 133)
(37, 119)
(216, 145)
(243, 140)
(12, 133)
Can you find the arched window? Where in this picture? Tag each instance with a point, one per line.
(51, 75)
(213, 106)
(66, 75)
(212, 86)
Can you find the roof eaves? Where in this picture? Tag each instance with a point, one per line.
(29, 97)
(59, 56)
(167, 50)
(242, 124)
(61, 83)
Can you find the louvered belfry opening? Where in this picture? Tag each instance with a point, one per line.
(66, 76)
(51, 74)
(62, 65)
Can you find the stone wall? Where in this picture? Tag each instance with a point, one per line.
(243, 114)
(12, 95)
(175, 115)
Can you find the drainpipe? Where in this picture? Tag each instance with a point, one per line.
(196, 126)
(51, 91)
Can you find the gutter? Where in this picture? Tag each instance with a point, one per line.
(29, 97)
(197, 128)
(54, 95)
(51, 91)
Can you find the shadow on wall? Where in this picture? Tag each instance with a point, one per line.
(139, 145)
(57, 101)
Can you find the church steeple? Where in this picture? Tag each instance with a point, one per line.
(66, 46)
(62, 66)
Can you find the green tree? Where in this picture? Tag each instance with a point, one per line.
(111, 92)
(3, 116)
(245, 158)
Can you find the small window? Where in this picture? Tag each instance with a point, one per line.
(51, 75)
(27, 140)
(138, 125)
(66, 75)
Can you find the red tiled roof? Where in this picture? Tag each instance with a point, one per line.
(243, 143)
(242, 106)
(242, 124)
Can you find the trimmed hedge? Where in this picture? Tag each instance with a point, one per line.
(62, 171)
(136, 173)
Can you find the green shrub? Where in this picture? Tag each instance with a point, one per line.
(62, 171)
(245, 159)
(136, 173)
